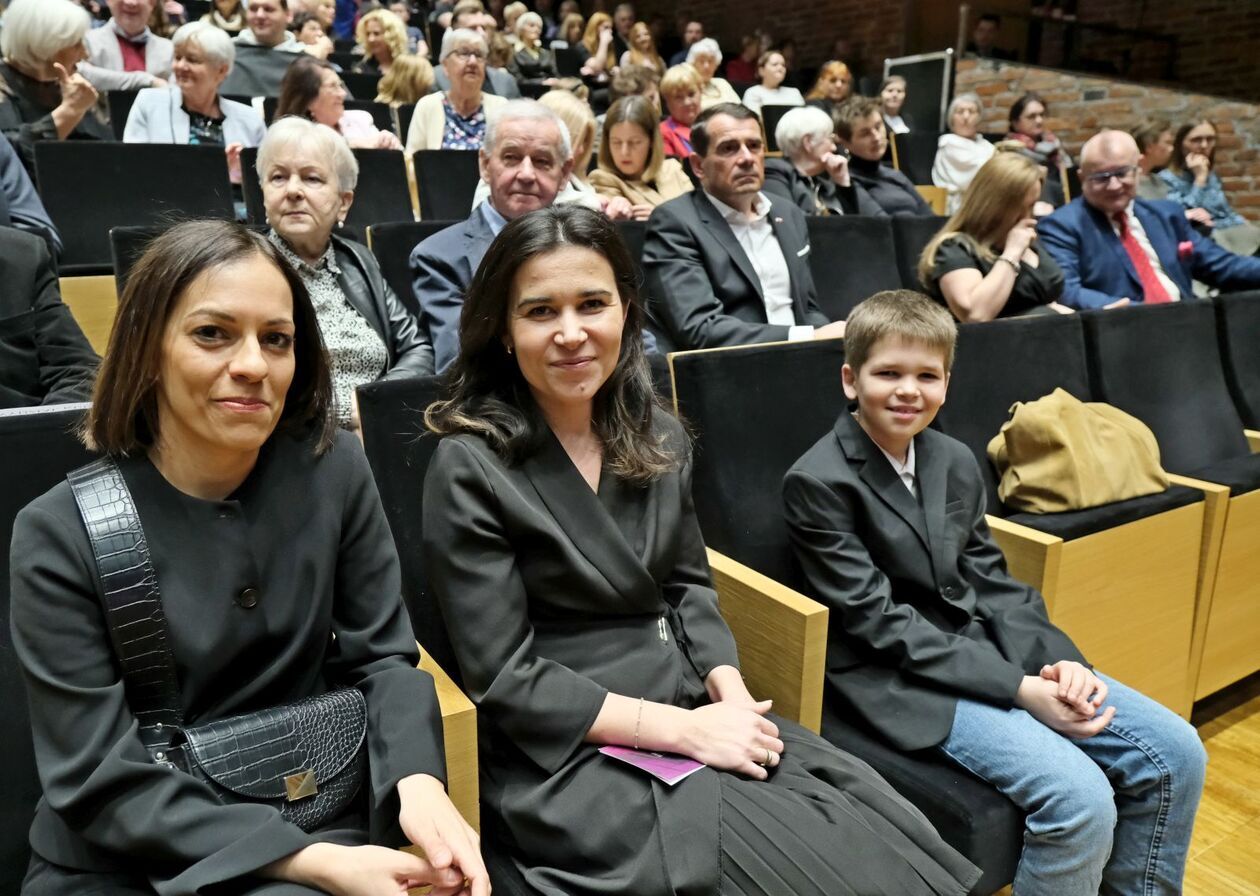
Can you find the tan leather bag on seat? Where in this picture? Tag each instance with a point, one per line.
(1059, 453)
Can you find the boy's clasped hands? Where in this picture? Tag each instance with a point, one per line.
(1068, 698)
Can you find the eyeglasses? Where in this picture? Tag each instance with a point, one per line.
(469, 54)
(1102, 178)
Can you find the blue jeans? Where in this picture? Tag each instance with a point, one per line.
(1111, 814)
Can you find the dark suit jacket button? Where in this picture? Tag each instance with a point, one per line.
(948, 592)
(248, 598)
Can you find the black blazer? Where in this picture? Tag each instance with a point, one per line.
(923, 610)
(891, 189)
(782, 179)
(44, 356)
(703, 287)
(410, 353)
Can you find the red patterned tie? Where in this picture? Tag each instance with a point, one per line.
(1152, 290)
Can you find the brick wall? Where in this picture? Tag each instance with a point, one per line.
(1121, 105)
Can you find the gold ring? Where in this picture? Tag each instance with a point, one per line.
(769, 757)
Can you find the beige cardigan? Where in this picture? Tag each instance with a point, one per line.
(429, 121)
(671, 181)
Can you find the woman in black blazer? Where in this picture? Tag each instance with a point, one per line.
(308, 175)
(561, 541)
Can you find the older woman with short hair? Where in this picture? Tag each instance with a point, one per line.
(532, 63)
(308, 176)
(312, 88)
(456, 119)
(812, 174)
(382, 38)
(680, 89)
(192, 111)
(42, 96)
(961, 152)
(705, 56)
(633, 166)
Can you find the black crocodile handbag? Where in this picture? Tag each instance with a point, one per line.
(308, 759)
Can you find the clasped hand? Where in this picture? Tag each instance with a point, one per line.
(732, 732)
(1068, 698)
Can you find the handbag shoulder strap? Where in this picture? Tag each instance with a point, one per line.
(130, 596)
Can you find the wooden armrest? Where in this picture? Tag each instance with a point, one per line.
(1032, 556)
(459, 734)
(1253, 439)
(782, 638)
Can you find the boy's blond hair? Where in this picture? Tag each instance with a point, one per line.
(899, 314)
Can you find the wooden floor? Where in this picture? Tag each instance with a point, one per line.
(1225, 850)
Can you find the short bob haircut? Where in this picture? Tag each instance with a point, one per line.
(489, 396)
(1147, 134)
(392, 27)
(213, 42)
(799, 123)
(330, 145)
(458, 38)
(527, 18)
(705, 46)
(36, 30)
(123, 419)
(962, 99)
(902, 315)
(636, 110)
(680, 79)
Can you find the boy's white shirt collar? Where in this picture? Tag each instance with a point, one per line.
(905, 472)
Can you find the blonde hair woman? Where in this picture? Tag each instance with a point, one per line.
(382, 37)
(532, 63)
(643, 49)
(986, 262)
(632, 161)
(408, 79)
(597, 40)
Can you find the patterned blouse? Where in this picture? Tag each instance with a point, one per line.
(460, 132)
(1210, 196)
(357, 351)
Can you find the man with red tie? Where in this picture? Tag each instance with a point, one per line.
(1113, 246)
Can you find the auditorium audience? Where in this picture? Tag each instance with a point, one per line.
(42, 95)
(569, 35)
(511, 15)
(718, 269)
(526, 158)
(228, 15)
(1115, 248)
(892, 96)
(263, 51)
(471, 15)
(633, 167)
(832, 87)
(312, 89)
(308, 176)
(382, 38)
(643, 50)
(771, 70)
(44, 356)
(597, 43)
(984, 36)
(192, 111)
(1192, 183)
(743, 68)
(937, 647)
(213, 405)
(532, 64)
(456, 118)
(680, 88)
(308, 31)
(692, 31)
(961, 152)
(986, 262)
(563, 548)
(416, 44)
(812, 174)
(623, 20)
(409, 79)
(20, 206)
(705, 56)
(1028, 127)
(124, 54)
(860, 130)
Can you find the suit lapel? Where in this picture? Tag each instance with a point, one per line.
(791, 258)
(717, 226)
(929, 469)
(875, 470)
(587, 523)
(1108, 235)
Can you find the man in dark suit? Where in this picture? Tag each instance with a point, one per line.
(935, 645)
(44, 356)
(1115, 248)
(525, 159)
(727, 264)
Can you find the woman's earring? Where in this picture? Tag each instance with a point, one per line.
(509, 349)
(340, 224)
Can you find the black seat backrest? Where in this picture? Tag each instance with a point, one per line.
(770, 116)
(345, 58)
(405, 113)
(37, 450)
(361, 86)
(754, 411)
(1238, 331)
(1162, 364)
(89, 187)
(569, 62)
(446, 180)
(851, 257)
(120, 103)
(380, 112)
(634, 233)
(911, 234)
(382, 193)
(392, 245)
(1004, 361)
(399, 449)
(916, 151)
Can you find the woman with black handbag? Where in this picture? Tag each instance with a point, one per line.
(221, 673)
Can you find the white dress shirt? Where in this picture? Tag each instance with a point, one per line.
(756, 237)
(1135, 227)
(905, 472)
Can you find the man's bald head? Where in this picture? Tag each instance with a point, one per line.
(1109, 171)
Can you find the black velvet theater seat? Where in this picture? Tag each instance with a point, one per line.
(852, 257)
(1238, 330)
(392, 244)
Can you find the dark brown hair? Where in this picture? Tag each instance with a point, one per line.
(1178, 161)
(1017, 109)
(123, 419)
(856, 109)
(700, 129)
(490, 397)
(899, 314)
(300, 86)
(1148, 132)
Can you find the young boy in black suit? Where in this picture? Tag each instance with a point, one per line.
(937, 646)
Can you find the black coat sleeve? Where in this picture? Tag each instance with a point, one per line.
(67, 363)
